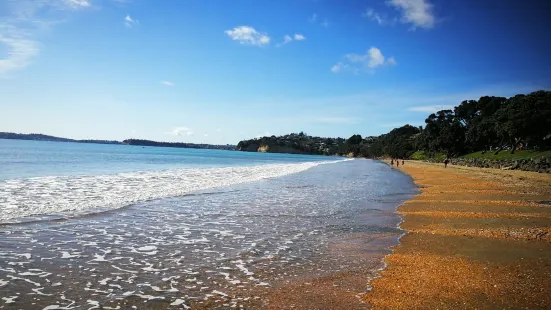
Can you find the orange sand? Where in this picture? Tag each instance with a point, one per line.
(477, 239)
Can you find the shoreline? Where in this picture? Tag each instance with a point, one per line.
(474, 238)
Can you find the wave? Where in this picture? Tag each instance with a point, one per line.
(62, 195)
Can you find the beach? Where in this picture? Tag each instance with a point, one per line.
(476, 239)
(160, 228)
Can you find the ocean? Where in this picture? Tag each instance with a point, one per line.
(117, 226)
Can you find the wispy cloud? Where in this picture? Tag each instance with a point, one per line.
(418, 13)
(368, 62)
(248, 35)
(167, 83)
(430, 108)
(382, 20)
(130, 22)
(288, 39)
(20, 48)
(78, 3)
(314, 19)
(20, 24)
(181, 131)
(371, 14)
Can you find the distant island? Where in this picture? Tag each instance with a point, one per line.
(178, 144)
(42, 137)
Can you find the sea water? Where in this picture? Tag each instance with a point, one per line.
(84, 225)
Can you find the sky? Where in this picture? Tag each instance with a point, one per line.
(217, 72)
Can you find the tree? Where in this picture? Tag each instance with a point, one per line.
(444, 133)
(524, 118)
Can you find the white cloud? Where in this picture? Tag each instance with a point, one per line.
(181, 131)
(130, 22)
(337, 68)
(206, 135)
(371, 14)
(382, 20)
(248, 35)
(287, 39)
(357, 63)
(315, 18)
(77, 3)
(20, 49)
(167, 83)
(22, 19)
(418, 13)
(430, 108)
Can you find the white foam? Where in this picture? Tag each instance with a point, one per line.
(147, 248)
(66, 254)
(66, 195)
(9, 300)
(24, 279)
(26, 255)
(180, 302)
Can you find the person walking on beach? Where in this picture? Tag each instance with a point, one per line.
(392, 162)
(403, 162)
(397, 163)
(446, 161)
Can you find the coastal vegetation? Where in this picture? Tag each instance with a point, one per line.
(489, 127)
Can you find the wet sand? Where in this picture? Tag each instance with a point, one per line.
(477, 239)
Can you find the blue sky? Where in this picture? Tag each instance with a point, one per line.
(221, 71)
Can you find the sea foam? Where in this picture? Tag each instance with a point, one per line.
(69, 195)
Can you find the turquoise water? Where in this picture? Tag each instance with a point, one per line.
(83, 225)
(23, 159)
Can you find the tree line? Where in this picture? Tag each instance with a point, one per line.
(487, 124)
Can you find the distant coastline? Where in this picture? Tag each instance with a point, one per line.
(137, 142)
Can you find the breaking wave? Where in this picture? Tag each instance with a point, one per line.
(69, 195)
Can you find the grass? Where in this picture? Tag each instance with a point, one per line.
(420, 155)
(505, 154)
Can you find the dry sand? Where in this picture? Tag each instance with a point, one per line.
(477, 239)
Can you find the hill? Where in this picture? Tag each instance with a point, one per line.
(42, 137)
